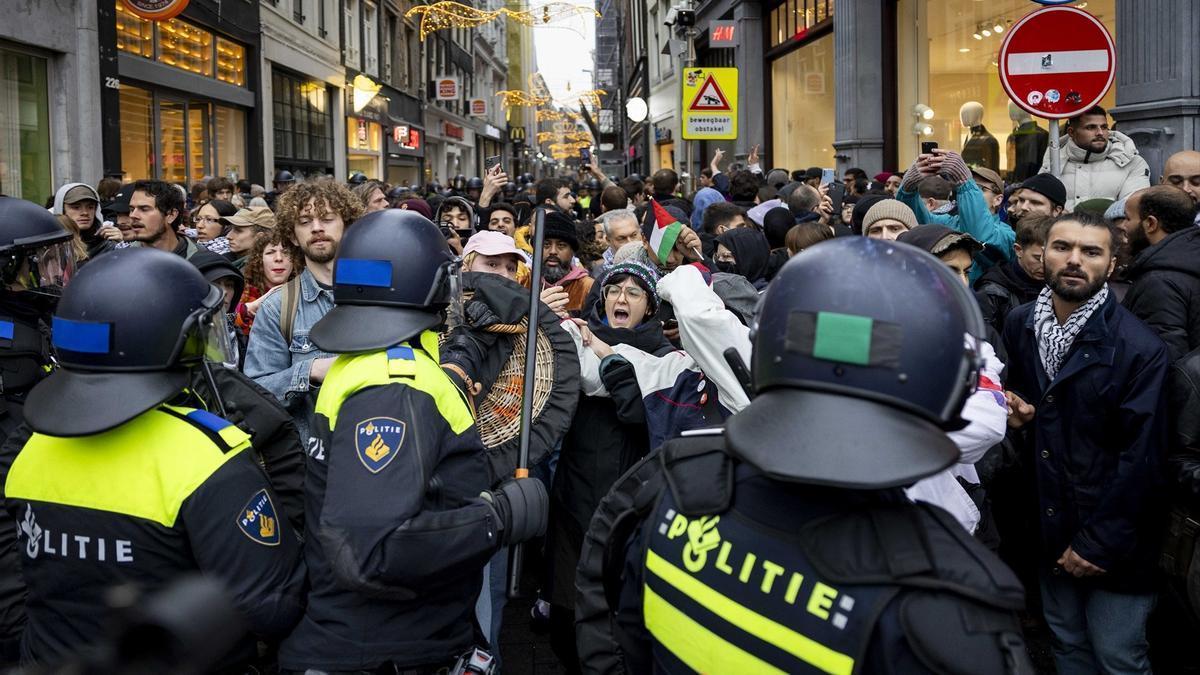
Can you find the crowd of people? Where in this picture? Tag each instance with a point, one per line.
(1076, 448)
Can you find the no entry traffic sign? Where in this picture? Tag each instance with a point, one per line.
(1057, 62)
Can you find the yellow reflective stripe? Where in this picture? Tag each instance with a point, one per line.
(353, 372)
(701, 649)
(402, 367)
(801, 646)
(144, 468)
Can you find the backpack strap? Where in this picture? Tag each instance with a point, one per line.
(289, 304)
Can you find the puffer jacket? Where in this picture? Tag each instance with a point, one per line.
(1116, 173)
(1166, 290)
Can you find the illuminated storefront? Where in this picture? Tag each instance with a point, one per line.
(24, 126)
(948, 85)
(800, 69)
(184, 100)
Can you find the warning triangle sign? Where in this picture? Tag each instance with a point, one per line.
(709, 98)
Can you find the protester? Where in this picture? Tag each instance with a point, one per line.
(245, 229)
(273, 262)
(620, 227)
(805, 236)
(558, 267)
(210, 229)
(502, 217)
(493, 252)
(1165, 272)
(1005, 287)
(80, 203)
(745, 252)
(280, 356)
(1040, 195)
(1086, 395)
(1095, 161)
(887, 219)
(373, 195)
(704, 198)
(1182, 171)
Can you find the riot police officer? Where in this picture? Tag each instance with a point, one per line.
(117, 484)
(785, 543)
(36, 261)
(399, 521)
(474, 189)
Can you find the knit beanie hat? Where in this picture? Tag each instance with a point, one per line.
(889, 209)
(643, 275)
(1048, 186)
(560, 226)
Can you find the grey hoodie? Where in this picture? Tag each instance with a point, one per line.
(57, 209)
(1115, 173)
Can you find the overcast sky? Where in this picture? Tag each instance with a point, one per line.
(564, 50)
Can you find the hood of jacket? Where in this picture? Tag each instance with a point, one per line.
(1120, 150)
(1179, 252)
(215, 267)
(576, 272)
(61, 194)
(750, 250)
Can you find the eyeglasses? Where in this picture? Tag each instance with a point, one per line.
(612, 292)
(205, 220)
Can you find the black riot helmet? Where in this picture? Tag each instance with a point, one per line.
(527, 178)
(475, 183)
(391, 280)
(36, 252)
(859, 374)
(510, 189)
(357, 178)
(126, 332)
(282, 176)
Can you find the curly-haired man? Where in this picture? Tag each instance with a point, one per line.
(280, 357)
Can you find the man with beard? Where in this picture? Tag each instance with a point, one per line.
(558, 268)
(1165, 271)
(280, 356)
(1087, 403)
(1182, 171)
(1097, 162)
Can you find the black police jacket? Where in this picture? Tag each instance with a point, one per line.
(696, 562)
(172, 491)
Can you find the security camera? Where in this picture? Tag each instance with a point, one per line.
(670, 18)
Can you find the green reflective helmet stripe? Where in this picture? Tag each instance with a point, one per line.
(351, 373)
(844, 338)
(144, 468)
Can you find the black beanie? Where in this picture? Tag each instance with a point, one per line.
(1048, 186)
(560, 226)
(776, 224)
(859, 214)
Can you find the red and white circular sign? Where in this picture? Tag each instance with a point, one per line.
(1057, 62)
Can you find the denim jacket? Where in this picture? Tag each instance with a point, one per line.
(280, 368)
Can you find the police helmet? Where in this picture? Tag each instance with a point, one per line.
(527, 178)
(859, 374)
(125, 333)
(357, 178)
(391, 280)
(36, 252)
(399, 194)
(282, 176)
(475, 183)
(510, 188)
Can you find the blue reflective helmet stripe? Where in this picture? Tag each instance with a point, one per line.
(6, 330)
(87, 337)
(360, 272)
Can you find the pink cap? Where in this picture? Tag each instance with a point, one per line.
(493, 243)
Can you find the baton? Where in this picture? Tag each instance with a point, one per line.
(516, 553)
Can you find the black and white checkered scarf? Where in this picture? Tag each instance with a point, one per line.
(1054, 340)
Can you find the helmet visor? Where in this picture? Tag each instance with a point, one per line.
(50, 269)
(218, 340)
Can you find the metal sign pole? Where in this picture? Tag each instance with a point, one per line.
(1055, 158)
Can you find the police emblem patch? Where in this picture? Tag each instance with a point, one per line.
(258, 520)
(378, 440)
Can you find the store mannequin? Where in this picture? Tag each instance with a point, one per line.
(981, 148)
(1026, 145)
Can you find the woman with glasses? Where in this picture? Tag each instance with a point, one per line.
(208, 220)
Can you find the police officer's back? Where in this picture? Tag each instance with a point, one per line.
(115, 485)
(397, 531)
(785, 543)
(36, 261)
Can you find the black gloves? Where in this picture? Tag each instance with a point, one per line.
(521, 506)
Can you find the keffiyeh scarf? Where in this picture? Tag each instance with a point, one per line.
(1054, 340)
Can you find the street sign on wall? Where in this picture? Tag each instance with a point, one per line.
(478, 107)
(446, 88)
(1057, 62)
(710, 99)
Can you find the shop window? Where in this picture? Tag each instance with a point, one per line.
(24, 127)
(182, 45)
(947, 57)
(185, 46)
(370, 38)
(134, 34)
(231, 141)
(793, 19)
(802, 108)
(137, 132)
(302, 125)
(231, 62)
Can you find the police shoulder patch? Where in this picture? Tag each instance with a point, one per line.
(377, 441)
(258, 520)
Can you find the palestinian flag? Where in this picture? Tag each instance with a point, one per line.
(661, 231)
